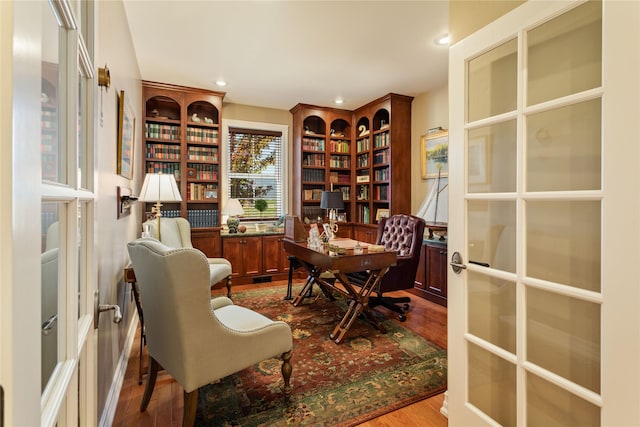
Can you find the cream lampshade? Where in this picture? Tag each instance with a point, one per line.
(158, 187)
(233, 208)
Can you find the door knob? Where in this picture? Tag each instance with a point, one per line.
(456, 263)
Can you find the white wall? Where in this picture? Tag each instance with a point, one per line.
(115, 49)
(428, 110)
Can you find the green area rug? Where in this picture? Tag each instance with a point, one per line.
(367, 375)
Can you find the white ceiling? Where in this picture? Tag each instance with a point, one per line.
(279, 53)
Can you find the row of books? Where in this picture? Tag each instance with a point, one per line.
(209, 154)
(363, 160)
(197, 191)
(339, 146)
(381, 157)
(162, 131)
(340, 161)
(203, 171)
(313, 160)
(381, 174)
(166, 168)
(198, 218)
(313, 194)
(312, 144)
(201, 218)
(312, 175)
(381, 140)
(380, 192)
(363, 214)
(163, 151)
(363, 145)
(340, 177)
(202, 135)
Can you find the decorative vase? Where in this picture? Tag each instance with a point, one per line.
(233, 222)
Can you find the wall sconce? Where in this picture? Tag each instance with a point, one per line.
(125, 200)
(104, 77)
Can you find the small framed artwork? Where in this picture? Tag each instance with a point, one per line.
(434, 154)
(382, 213)
(126, 137)
(210, 194)
(191, 173)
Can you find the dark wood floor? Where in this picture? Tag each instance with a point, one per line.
(165, 409)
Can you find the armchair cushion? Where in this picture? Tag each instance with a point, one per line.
(176, 233)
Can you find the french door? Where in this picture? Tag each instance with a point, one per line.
(544, 210)
(48, 354)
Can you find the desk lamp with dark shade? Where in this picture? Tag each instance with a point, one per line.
(332, 200)
(159, 187)
(233, 209)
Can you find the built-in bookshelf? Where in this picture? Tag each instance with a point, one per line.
(365, 153)
(182, 128)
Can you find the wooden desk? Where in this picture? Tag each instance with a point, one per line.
(316, 262)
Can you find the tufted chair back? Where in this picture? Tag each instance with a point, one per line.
(402, 233)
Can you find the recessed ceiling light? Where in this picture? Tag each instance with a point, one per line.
(221, 83)
(339, 101)
(443, 40)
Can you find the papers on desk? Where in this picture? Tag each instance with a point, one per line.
(346, 243)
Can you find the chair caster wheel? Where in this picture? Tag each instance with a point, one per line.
(402, 317)
(406, 306)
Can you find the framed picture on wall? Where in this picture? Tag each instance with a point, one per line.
(126, 137)
(434, 154)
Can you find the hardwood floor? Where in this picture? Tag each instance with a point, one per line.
(165, 409)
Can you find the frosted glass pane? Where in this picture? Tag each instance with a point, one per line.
(563, 242)
(492, 85)
(52, 148)
(563, 336)
(551, 406)
(49, 267)
(492, 385)
(491, 154)
(564, 148)
(492, 238)
(492, 310)
(565, 54)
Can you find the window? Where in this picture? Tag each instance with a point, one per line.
(255, 167)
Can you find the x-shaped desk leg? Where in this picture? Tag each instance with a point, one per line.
(359, 304)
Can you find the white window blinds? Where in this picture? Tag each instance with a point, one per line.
(255, 165)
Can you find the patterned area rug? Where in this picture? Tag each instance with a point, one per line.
(367, 375)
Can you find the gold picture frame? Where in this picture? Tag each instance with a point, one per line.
(126, 137)
(434, 154)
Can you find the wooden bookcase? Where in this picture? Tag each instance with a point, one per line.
(182, 137)
(365, 153)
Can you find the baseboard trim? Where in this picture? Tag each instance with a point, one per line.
(111, 404)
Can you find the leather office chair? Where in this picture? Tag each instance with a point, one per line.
(196, 339)
(176, 233)
(404, 234)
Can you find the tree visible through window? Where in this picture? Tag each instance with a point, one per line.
(255, 171)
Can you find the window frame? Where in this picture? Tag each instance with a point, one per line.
(284, 153)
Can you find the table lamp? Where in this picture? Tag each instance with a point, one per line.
(158, 187)
(332, 200)
(233, 208)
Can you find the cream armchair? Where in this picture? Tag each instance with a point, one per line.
(196, 339)
(176, 233)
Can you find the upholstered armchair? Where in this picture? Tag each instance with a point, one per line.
(196, 339)
(404, 234)
(176, 233)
